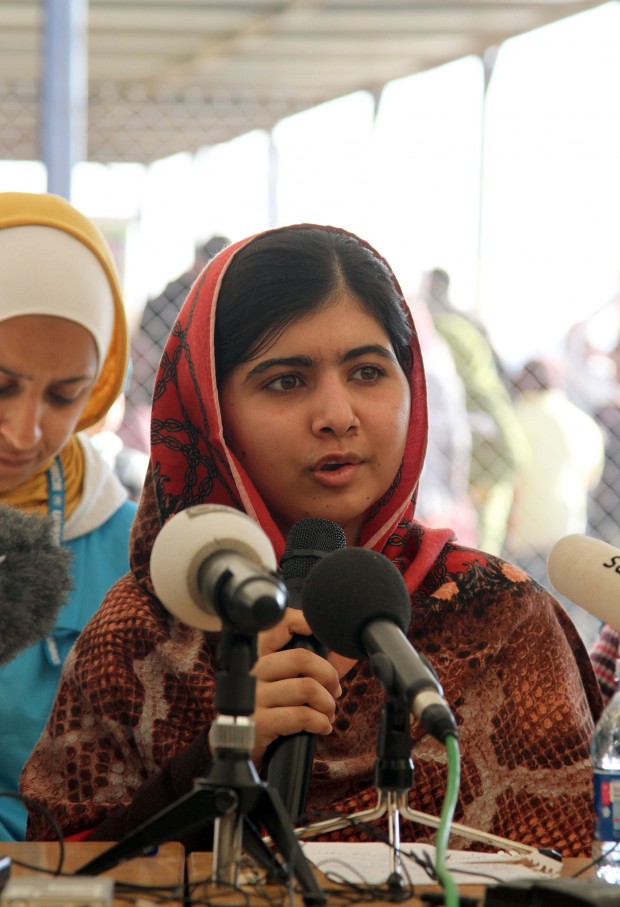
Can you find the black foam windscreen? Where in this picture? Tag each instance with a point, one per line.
(348, 589)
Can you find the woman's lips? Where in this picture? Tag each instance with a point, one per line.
(13, 463)
(336, 470)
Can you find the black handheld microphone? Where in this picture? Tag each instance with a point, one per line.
(357, 603)
(34, 580)
(289, 759)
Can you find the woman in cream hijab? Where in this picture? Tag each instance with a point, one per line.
(63, 359)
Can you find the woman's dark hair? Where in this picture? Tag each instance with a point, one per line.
(282, 276)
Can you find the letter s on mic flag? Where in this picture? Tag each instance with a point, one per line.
(587, 571)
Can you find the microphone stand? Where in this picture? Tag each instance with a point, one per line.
(230, 795)
(394, 779)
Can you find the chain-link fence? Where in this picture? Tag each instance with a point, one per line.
(140, 125)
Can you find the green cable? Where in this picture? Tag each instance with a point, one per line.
(446, 880)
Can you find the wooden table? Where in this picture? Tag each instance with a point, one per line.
(199, 866)
(165, 868)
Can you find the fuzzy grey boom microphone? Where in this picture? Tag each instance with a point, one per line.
(34, 580)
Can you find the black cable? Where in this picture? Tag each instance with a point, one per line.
(31, 804)
(594, 863)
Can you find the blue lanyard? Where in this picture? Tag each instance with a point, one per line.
(56, 498)
(56, 508)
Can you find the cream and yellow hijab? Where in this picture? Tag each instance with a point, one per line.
(55, 261)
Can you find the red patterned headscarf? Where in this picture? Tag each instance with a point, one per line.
(192, 464)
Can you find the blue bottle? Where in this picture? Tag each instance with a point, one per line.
(605, 755)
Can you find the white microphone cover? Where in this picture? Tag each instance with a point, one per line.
(186, 540)
(587, 571)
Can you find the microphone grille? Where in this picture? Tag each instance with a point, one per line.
(308, 541)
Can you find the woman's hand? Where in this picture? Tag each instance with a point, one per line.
(296, 689)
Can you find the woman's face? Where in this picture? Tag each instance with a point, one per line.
(48, 367)
(319, 420)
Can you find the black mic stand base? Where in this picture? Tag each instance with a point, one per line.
(237, 812)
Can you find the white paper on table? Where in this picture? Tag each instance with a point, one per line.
(370, 863)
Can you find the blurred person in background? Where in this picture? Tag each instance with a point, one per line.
(605, 506)
(443, 494)
(149, 341)
(128, 463)
(592, 352)
(63, 359)
(604, 654)
(561, 465)
(605, 502)
(590, 371)
(497, 439)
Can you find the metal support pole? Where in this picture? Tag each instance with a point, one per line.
(64, 91)
(488, 58)
(272, 183)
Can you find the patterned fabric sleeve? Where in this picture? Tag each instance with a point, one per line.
(520, 684)
(604, 654)
(137, 689)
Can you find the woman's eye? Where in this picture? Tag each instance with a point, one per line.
(62, 400)
(368, 372)
(284, 383)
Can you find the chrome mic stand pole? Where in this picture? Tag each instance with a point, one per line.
(394, 775)
(393, 780)
(232, 739)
